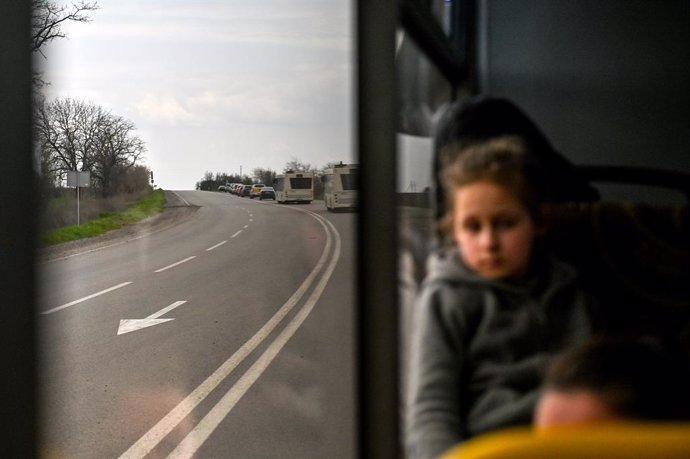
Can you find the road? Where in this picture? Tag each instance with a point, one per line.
(228, 335)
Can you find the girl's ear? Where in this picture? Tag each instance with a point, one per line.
(546, 211)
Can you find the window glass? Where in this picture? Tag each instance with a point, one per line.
(300, 183)
(221, 326)
(422, 93)
(349, 181)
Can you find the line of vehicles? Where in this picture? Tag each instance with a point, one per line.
(252, 191)
(339, 187)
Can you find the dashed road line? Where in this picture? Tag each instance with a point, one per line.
(81, 300)
(216, 246)
(175, 264)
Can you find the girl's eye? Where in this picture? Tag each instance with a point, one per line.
(504, 223)
(472, 226)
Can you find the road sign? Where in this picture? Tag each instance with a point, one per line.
(78, 178)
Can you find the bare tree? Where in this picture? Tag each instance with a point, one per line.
(74, 135)
(264, 176)
(62, 135)
(48, 18)
(209, 183)
(296, 165)
(116, 149)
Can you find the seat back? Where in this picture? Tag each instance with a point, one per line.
(610, 441)
(635, 259)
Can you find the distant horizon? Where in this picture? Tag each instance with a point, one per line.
(213, 86)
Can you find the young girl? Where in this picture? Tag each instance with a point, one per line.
(494, 306)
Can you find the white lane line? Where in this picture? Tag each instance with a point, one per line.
(175, 264)
(216, 246)
(212, 420)
(236, 234)
(81, 300)
(183, 199)
(251, 219)
(246, 226)
(157, 433)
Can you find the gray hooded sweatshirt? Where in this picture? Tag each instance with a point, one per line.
(480, 348)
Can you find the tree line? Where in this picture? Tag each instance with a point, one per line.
(73, 135)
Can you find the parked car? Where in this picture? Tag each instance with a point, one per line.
(246, 191)
(267, 192)
(256, 190)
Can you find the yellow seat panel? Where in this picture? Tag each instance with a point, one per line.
(601, 441)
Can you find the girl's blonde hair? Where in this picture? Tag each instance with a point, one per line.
(503, 161)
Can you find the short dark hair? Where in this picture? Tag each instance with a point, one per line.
(635, 377)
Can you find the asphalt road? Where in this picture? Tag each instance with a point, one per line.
(228, 335)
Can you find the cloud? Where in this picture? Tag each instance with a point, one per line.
(310, 24)
(304, 95)
(164, 109)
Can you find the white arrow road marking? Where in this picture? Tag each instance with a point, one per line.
(130, 325)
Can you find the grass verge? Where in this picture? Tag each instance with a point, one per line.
(147, 206)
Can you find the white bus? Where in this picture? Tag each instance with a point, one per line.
(340, 187)
(294, 186)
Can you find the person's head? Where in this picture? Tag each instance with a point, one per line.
(496, 206)
(610, 379)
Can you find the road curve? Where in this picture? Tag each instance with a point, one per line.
(205, 339)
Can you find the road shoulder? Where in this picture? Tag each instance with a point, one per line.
(176, 211)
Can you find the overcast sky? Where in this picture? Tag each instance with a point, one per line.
(213, 85)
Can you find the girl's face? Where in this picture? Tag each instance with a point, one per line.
(494, 231)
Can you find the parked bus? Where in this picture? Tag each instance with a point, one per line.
(294, 186)
(340, 187)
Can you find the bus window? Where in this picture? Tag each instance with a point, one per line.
(221, 326)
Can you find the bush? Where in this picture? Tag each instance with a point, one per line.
(146, 206)
(60, 210)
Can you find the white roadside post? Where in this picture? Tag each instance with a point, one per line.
(78, 179)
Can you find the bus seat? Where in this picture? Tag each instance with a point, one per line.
(608, 441)
(634, 258)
